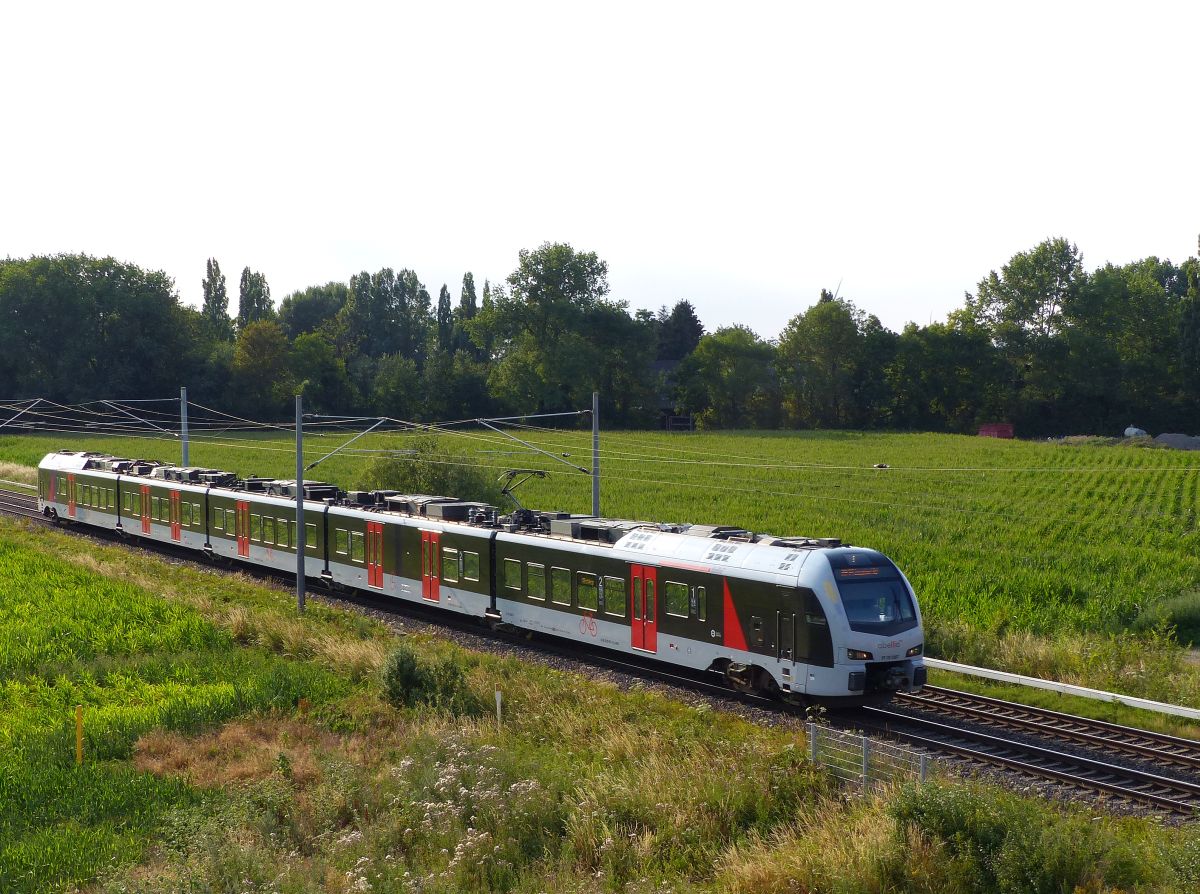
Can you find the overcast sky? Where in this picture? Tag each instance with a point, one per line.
(742, 156)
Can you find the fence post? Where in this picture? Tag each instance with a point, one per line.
(79, 735)
(866, 763)
(812, 743)
(922, 768)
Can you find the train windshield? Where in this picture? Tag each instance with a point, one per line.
(876, 603)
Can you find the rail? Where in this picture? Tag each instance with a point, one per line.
(1064, 688)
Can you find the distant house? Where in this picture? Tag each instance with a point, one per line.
(996, 430)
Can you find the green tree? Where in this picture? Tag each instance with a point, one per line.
(818, 359)
(445, 321)
(396, 388)
(679, 332)
(467, 310)
(1031, 293)
(729, 381)
(321, 375)
(216, 303)
(312, 309)
(262, 373)
(254, 299)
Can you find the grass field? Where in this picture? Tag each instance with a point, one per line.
(202, 775)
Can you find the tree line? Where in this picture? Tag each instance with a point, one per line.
(1042, 343)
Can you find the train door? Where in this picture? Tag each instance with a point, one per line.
(431, 565)
(241, 523)
(173, 510)
(145, 508)
(644, 615)
(375, 554)
(71, 495)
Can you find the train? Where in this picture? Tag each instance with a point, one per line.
(801, 619)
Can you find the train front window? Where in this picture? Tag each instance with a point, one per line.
(878, 605)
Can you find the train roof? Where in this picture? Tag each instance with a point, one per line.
(709, 545)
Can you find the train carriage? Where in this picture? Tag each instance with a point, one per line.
(798, 618)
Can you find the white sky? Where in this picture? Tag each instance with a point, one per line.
(742, 156)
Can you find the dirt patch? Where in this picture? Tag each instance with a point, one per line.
(239, 752)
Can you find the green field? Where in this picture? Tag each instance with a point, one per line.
(202, 773)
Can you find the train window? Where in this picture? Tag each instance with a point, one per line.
(283, 532)
(310, 537)
(588, 591)
(197, 515)
(341, 542)
(470, 565)
(450, 564)
(677, 599)
(536, 576)
(512, 574)
(560, 585)
(357, 548)
(614, 596)
(256, 527)
(218, 519)
(185, 514)
(701, 604)
(756, 630)
(137, 504)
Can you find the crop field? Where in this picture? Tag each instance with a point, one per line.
(1039, 537)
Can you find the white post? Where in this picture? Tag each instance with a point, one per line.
(498, 701)
(300, 504)
(596, 453)
(183, 434)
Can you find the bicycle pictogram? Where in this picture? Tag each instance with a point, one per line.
(587, 625)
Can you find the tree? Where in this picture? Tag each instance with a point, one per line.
(312, 309)
(261, 372)
(467, 310)
(216, 303)
(445, 321)
(1031, 293)
(729, 381)
(678, 332)
(818, 360)
(396, 389)
(321, 375)
(1189, 333)
(429, 465)
(254, 299)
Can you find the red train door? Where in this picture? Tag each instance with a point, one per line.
(176, 531)
(71, 495)
(145, 509)
(431, 565)
(644, 613)
(375, 554)
(241, 523)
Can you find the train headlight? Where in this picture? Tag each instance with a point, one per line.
(858, 655)
(915, 650)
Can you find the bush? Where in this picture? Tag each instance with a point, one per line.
(410, 682)
(429, 465)
(1181, 612)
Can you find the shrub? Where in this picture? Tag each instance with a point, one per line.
(409, 682)
(429, 465)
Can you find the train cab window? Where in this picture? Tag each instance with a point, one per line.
(701, 604)
(470, 565)
(560, 586)
(358, 550)
(341, 542)
(614, 596)
(310, 537)
(512, 574)
(588, 592)
(536, 577)
(677, 598)
(450, 564)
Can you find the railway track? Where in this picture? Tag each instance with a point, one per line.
(22, 505)
(1156, 748)
(1166, 793)
(1172, 795)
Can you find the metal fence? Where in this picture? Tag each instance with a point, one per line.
(862, 761)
